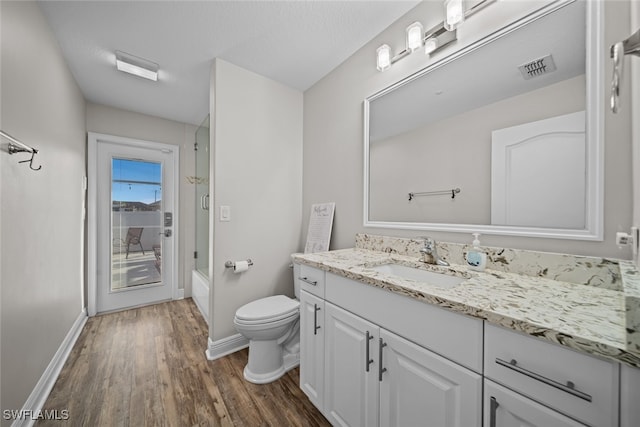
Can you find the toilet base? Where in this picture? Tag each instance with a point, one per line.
(289, 361)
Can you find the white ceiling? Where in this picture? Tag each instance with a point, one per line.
(293, 42)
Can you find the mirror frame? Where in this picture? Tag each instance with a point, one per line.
(595, 105)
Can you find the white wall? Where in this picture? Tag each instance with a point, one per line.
(333, 132)
(256, 140)
(41, 212)
(115, 121)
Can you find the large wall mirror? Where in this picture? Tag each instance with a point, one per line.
(503, 136)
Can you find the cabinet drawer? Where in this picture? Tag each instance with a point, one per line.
(581, 386)
(311, 280)
(503, 408)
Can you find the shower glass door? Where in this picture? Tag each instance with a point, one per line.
(201, 181)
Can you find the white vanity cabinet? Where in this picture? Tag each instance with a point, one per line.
(363, 360)
(372, 357)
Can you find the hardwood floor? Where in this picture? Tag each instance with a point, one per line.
(147, 367)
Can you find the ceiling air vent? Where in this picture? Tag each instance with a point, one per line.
(537, 67)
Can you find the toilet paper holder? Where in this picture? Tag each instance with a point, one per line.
(232, 264)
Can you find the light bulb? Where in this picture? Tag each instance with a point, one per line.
(383, 57)
(414, 36)
(430, 45)
(454, 14)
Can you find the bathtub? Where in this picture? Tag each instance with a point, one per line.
(200, 293)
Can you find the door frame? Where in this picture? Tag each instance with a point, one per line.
(92, 215)
(634, 82)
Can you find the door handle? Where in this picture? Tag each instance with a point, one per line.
(492, 411)
(381, 370)
(166, 233)
(204, 202)
(315, 319)
(368, 360)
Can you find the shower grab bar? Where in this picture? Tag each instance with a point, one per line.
(453, 193)
(15, 146)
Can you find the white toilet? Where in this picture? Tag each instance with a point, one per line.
(272, 327)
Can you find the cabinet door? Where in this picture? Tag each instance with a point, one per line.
(312, 348)
(420, 388)
(351, 378)
(629, 396)
(506, 408)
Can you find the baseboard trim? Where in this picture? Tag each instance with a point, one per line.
(178, 294)
(228, 345)
(37, 398)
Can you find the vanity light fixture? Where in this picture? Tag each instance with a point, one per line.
(437, 37)
(414, 36)
(137, 66)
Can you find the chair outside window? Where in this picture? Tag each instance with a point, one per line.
(133, 238)
(157, 251)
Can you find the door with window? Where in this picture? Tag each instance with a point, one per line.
(133, 190)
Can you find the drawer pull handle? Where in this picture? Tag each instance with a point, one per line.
(316, 309)
(568, 388)
(368, 361)
(492, 412)
(306, 280)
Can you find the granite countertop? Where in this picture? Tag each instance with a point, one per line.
(586, 318)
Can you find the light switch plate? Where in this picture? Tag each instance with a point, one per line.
(225, 213)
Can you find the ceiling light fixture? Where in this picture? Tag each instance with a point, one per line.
(137, 66)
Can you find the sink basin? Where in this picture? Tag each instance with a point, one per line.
(437, 279)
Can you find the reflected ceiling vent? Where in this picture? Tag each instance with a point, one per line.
(537, 67)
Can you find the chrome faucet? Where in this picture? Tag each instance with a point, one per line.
(430, 252)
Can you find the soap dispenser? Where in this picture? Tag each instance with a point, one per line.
(476, 259)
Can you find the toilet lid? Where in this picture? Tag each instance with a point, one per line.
(268, 308)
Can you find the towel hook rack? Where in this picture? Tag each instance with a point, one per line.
(15, 146)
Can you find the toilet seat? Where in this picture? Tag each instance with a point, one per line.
(267, 310)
